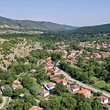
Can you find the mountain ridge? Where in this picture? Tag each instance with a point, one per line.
(6, 23)
(96, 29)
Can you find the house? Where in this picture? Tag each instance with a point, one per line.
(85, 92)
(72, 60)
(58, 80)
(49, 86)
(106, 107)
(16, 84)
(103, 99)
(35, 108)
(73, 88)
(54, 75)
(57, 71)
(49, 59)
(64, 81)
(54, 79)
(44, 93)
(49, 67)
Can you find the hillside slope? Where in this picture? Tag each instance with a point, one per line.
(105, 28)
(6, 23)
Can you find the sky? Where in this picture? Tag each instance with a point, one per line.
(70, 12)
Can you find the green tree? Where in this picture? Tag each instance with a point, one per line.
(27, 106)
(60, 88)
(69, 102)
(96, 105)
(8, 91)
(83, 106)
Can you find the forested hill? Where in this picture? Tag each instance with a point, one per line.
(6, 23)
(98, 29)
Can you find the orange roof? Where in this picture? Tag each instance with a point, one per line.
(44, 91)
(51, 84)
(83, 91)
(35, 108)
(55, 75)
(63, 80)
(57, 80)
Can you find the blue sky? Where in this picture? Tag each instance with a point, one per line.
(71, 12)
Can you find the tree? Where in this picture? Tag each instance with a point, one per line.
(29, 98)
(27, 106)
(52, 104)
(18, 91)
(56, 56)
(83, 106)
(59, 88)
(8, 91)
(96, 105)
(68, 102)
(16, 104)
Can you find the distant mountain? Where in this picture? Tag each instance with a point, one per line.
(6, 23)
(98, 29)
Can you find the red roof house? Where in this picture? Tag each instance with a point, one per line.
(44, 93)
(103, 99)
(85, 92)
(16, 84)
(35, 108)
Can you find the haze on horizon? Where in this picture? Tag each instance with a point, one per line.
(69, 12)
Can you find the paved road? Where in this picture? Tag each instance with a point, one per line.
(85, 85)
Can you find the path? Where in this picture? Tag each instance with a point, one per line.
(4, 103)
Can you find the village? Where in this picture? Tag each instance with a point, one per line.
(55, 76)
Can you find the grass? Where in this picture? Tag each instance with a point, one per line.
(100, 84)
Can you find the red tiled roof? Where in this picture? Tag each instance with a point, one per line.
(35, 108)
(51, 84)
(44, 91)
(83, 91)
(102, 98)
(74, 86)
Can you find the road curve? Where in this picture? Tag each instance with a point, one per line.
(85, 85)
(4, 103)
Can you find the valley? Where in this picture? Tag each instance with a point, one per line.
(59, 70)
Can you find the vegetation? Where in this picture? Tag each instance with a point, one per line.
(27, 25)
(71, 102)
(30, 52)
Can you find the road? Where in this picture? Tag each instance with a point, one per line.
(85, 85)
(4, 103)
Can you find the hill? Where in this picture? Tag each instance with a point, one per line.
(6, 23)
(98, 29)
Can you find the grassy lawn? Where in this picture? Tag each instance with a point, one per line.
(100, 84)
